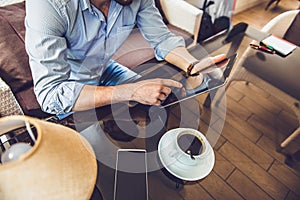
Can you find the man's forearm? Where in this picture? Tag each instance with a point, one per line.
(180, 57)
(149, 92)
(93, 96)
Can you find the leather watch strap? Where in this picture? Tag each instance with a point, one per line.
(190, 68)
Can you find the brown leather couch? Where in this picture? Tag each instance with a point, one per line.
(14, 65)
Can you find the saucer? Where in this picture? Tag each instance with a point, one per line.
(183, 171)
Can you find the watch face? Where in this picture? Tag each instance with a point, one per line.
(124, 2)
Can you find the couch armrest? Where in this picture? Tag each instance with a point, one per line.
(183, 15)
(8, 103)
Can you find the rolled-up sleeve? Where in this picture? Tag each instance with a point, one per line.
(155, 31)
(47, 48)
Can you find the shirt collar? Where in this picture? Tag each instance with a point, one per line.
(114, 13)
(86, 4)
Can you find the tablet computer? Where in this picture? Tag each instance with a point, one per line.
(210, 82)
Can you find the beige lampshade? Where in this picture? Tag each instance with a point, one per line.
(60, 165)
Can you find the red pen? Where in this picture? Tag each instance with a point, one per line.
(262, 48)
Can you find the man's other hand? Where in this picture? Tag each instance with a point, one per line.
(204, 63)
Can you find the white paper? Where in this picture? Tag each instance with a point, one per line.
(280, 45)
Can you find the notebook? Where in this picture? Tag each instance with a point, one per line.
(280, 45)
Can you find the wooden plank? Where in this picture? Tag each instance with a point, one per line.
(218, 188)
(286, 176)
(269, 146)
(234, 93)
(260, 111)
(246, 146)
(215, 138)
(262, 178)
(269, 130)
(264, 16)
(266, 104)
(222, 166)
(243, 127)
(289, 121)
(289, 117)
(279, 103)
(192, 191)
(246, 187)
(265, 116)
(238, 109)
(292, 196)
(254, 93)
(242, 5)
(250, 89)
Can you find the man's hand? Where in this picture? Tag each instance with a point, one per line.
(181, 58)
(152, 91)
(204, 63)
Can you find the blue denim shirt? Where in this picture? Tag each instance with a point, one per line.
(70, 43)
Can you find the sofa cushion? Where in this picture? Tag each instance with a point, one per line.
(14, 62)
(136, 50)
(13, 58)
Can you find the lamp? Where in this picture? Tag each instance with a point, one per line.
(60, 164)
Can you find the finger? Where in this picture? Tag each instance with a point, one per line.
(157, 103)
(219, 58)
(207, 62)
(204, 63)
(166, 90)
(162, 97)
(223, 63)
(171, 83)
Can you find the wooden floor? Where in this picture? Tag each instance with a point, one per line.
(245, 137)
(247, 164)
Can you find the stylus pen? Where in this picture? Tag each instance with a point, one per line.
(262, 48)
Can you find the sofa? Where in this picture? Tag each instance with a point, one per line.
(16, 86)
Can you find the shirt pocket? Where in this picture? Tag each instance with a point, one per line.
(121, 34)
(125, 28)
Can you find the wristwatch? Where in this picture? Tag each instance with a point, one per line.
(190, 68)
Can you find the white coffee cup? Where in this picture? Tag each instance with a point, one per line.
(189, 147)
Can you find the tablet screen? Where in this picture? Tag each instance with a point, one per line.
(208, 81)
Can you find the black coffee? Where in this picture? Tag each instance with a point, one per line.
(190, 144)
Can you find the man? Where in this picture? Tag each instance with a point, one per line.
(70, 44)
